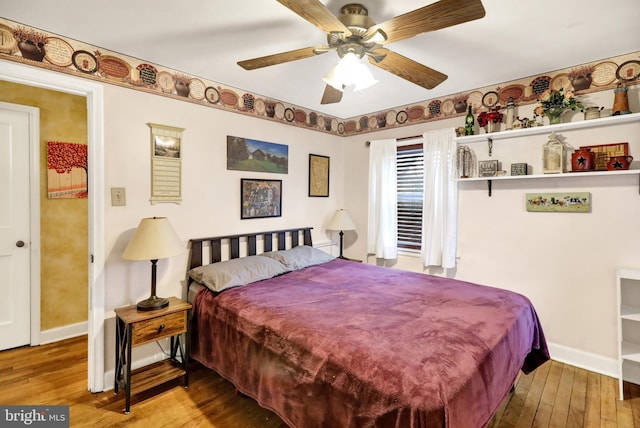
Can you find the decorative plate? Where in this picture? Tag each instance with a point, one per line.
(604, 73)
(300, 116)
(228, 98)
(475, 100)
(279, 111)
(212, 95)
(341, 128)
(84, 61)
(629, 70)
(58, 52)
(514, 91)
(490, 99)
(391, 117)
(260, 109)
(373, 121)
(349, 126)
(402, 117)
(540, 84)
(363, 123)
(448, 107)
(560, 81)
(196, 89)
(249, 102)
(166, 82)
(8, 43)
(321, 122)
(289, 115)
(434, 107)
(415, 112)
(113, 67)
(148, 75)
(313, 118)
(334, 124)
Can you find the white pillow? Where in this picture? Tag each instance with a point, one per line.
(300, 257)
(236, 272)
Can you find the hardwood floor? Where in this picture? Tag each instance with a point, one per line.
(555, 395)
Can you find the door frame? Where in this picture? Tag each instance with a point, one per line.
(34, 216)
(93, 92)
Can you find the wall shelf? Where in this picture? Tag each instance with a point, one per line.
(548, 129)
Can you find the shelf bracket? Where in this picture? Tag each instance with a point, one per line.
(489, 187)
(490, 145)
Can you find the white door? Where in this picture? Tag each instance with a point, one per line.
(15, 284)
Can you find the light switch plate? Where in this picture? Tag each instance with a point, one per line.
(118, 197)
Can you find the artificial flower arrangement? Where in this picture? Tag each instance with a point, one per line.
(553, 103)
(493, 116)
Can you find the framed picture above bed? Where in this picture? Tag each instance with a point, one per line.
(318, 175)
(260, 198)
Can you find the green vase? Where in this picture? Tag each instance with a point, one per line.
(554, 114)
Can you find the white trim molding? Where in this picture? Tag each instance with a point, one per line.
(64, 332)
(585, 360)
(94, 93)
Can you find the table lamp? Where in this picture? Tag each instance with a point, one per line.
(341, 221)
(153, 239)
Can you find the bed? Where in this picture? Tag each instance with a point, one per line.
(327, 342)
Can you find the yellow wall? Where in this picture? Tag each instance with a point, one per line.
(63, 222)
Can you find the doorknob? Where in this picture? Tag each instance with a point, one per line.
(20, 244)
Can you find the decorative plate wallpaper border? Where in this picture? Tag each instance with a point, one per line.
(80, 59)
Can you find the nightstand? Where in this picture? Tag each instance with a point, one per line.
(135, 328)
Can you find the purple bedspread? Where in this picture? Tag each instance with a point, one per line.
(344, 344)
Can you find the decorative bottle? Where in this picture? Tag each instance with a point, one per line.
(510, 113)
(468, 122)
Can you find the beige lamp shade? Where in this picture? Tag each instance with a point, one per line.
(341, 220)
(153, 239)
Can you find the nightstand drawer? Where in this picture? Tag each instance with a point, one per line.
(158, 328)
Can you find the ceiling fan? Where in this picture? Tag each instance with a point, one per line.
(353, 33)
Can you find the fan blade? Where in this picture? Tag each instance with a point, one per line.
(435, 16)
(317, 14)
(265, 61)
(331, 95)
(407, 68)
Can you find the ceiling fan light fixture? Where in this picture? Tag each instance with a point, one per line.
(350, 71)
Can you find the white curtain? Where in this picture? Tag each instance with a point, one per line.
(382, 239)
(440, 209)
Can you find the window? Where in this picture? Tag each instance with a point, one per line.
(410, 172)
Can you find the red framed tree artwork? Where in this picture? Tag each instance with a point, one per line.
(66, 170)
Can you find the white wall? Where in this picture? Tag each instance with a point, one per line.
(564, 262)
(210, 193)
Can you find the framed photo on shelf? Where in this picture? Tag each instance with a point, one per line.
(260, 198)
(318, 176)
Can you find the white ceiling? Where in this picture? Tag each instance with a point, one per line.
(205, 38)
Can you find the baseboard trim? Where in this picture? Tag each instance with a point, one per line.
(585, 360)
(65, 332)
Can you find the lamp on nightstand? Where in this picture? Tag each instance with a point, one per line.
(153, 239)
(341, 221)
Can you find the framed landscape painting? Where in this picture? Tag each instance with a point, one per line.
(245, 154)
(260, 198)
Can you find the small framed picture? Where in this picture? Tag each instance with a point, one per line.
(318, 176)
(487, 168)
(260, 198)
(518, 169)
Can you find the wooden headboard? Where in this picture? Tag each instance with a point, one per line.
(251, 239)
